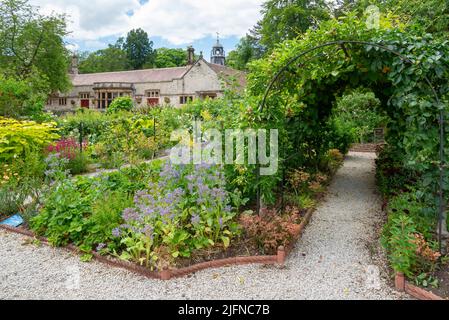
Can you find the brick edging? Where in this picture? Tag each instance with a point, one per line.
(299, 231)
(403, 285)
(278, 259)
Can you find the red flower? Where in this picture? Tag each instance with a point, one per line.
(67, 148)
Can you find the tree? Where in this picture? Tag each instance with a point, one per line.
(430, 15)
(246, 51)
(33, 44)
(167, 58)
(113, 58)
(23, 98)
(139, 49)
(287, 19)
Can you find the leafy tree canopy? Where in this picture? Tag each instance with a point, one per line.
(431, 16)
(168, 58)
(246, 51)
(139, 49)
(113, 58)
(287, 19)
(31, 43)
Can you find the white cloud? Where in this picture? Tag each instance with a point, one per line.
(178, 21)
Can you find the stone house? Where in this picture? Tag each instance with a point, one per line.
(199, 79)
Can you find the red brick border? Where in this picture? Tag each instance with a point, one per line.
(278, 259)
(298, 232)
(403, 285)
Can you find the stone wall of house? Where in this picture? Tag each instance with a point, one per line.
(200, 78)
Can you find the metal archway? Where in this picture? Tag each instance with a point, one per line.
(341, 44)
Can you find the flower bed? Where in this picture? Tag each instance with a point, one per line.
(67, 219)
(403, 285)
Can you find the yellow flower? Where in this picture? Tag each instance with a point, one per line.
(206, 115)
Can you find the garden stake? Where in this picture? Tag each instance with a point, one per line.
(81, 137)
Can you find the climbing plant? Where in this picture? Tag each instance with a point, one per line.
(402, 68)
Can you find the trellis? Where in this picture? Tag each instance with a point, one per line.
(342, 44)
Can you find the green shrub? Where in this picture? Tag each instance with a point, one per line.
(121, 104)
(398, 239)
(408, 235)
(83, 211)
(79, 163)
(24, 98)
(358, 112)
(19, 181)
(391, 175)
(11, 199)
(106, 216)
(186, 210)
(20, 138)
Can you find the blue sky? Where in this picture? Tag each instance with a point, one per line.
(169, 23)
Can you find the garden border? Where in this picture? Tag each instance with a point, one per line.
(403, 285)
(168, 274)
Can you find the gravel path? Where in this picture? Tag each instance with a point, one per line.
(331, 261)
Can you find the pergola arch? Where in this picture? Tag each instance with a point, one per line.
(406, 60)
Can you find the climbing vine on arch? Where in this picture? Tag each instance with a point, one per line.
(302, 99)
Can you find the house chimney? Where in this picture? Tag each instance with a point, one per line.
(74, 65)
(190, 56)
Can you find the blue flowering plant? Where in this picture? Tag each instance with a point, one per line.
(187, 209)
(56, 169)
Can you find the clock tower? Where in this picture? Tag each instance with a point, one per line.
(218, 54)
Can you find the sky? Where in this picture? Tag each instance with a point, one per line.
(169, 23)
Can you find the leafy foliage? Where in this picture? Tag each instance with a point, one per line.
(302, 105)
(358, 110)
(246, 51)
(33, 44)
(84, 211)
(113, 58)
(121, 104)
(285, 20)
(187, 209)
(19, 138)
(23, 98)
(170, 58)
(138, 48)
(270, 230)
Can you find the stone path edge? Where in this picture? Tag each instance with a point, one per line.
(278, 259)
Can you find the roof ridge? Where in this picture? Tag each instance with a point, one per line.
(129, 71)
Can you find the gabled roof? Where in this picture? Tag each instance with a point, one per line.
(153, 75)
(134, 76)
(226, 72)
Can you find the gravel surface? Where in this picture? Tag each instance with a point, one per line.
(333, 260)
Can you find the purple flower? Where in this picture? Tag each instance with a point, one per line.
(164, 211)
(195, 219)
(116, 233)
(148, 231)
(130, 215)
(220, 222)
(101, 246)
